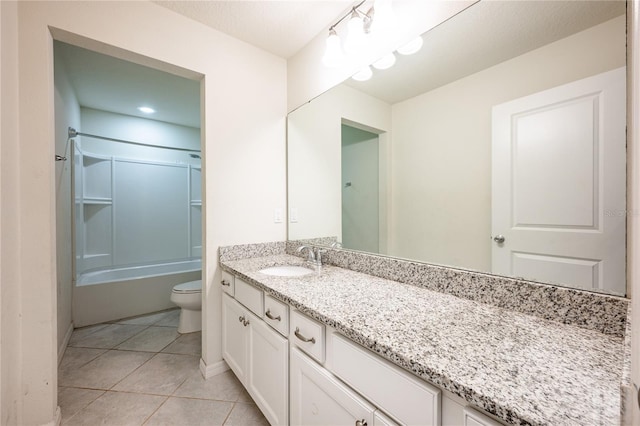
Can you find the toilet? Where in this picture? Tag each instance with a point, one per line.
(188, 296)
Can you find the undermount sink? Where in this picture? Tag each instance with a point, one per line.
(286, 271)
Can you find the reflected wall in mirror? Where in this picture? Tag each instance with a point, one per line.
(509, 126)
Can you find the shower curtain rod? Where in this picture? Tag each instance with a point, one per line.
(73, 133)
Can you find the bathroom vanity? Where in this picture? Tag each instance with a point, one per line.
(342, 347)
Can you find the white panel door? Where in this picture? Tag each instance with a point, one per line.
(235, 340)
(558, 184)
(269, 371)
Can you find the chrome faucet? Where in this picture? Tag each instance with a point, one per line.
(314, 255)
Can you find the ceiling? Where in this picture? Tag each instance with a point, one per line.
(280, 27)
(483, 35)
(110, 84)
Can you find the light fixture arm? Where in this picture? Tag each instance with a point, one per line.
(353, 9)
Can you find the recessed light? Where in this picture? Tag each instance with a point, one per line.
(146, 110)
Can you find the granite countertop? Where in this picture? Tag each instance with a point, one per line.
(521, 368)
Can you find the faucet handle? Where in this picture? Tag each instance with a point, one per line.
(319, 252)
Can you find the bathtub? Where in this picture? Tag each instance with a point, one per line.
(112, 294)
(137, 272)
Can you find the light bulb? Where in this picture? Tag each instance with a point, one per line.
(355, 34)
(384, 17)
(412, 47)
(363, 75)
(385, 62)
(333, 56)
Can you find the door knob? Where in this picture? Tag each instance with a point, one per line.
(499, 239)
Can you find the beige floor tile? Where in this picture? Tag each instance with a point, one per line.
(148, 319)
(153, 339)
(75, 358)
(245, 397)
(104, 371)
(246, 414)
(190, 412)
(222, 387)
(72, 400)
(118, 408)
(170, 320)
(190, 344)
(161, 375)
(110, 336)
(81, 333)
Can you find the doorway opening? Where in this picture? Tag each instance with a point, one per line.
(128, 187)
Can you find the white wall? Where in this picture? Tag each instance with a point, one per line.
(10, 291)
(244, 105)
(314, 157)
(307, 77)
(67, 113)
(441, 205)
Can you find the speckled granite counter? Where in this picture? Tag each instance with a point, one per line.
(521, 368)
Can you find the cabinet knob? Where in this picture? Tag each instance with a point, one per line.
(362, 422)
(245, 322)
(271, 317)
(226, 283)
(241, 318)
(304, 339)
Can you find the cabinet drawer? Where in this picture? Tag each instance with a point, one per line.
(308, 335)
(227, 283)
(276, 314)
(473, 418)
(318, 398)
(381, 382)
(249, 296)
(380, 419)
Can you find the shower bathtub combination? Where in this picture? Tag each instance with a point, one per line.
(138, 230)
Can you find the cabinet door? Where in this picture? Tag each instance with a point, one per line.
(235, 337)
(269, 371)
(318, 398)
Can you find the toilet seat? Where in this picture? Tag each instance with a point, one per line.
(188, 288)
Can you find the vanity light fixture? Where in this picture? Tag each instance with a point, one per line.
(385, 17)
(411, 47)
(146, 109)
(356, 38)
(378, 18)
(385, 62)
(363, 75)
(333, 55)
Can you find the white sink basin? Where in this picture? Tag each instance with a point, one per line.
(286, 271)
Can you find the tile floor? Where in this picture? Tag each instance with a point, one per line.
(141, 371)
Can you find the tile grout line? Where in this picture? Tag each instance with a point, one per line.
(155, 411)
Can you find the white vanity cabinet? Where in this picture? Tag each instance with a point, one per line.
(259, 356)
(319, 377)
(318, 398)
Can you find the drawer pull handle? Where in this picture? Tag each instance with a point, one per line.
(226, 283)
(245, 323)
(362, 422)
(304, 339)
(271, 317)
(240, 318)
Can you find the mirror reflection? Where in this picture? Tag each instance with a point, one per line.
(499, 147)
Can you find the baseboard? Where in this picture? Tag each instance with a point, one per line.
(57, 419)
(209, 371)
(65, 342)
